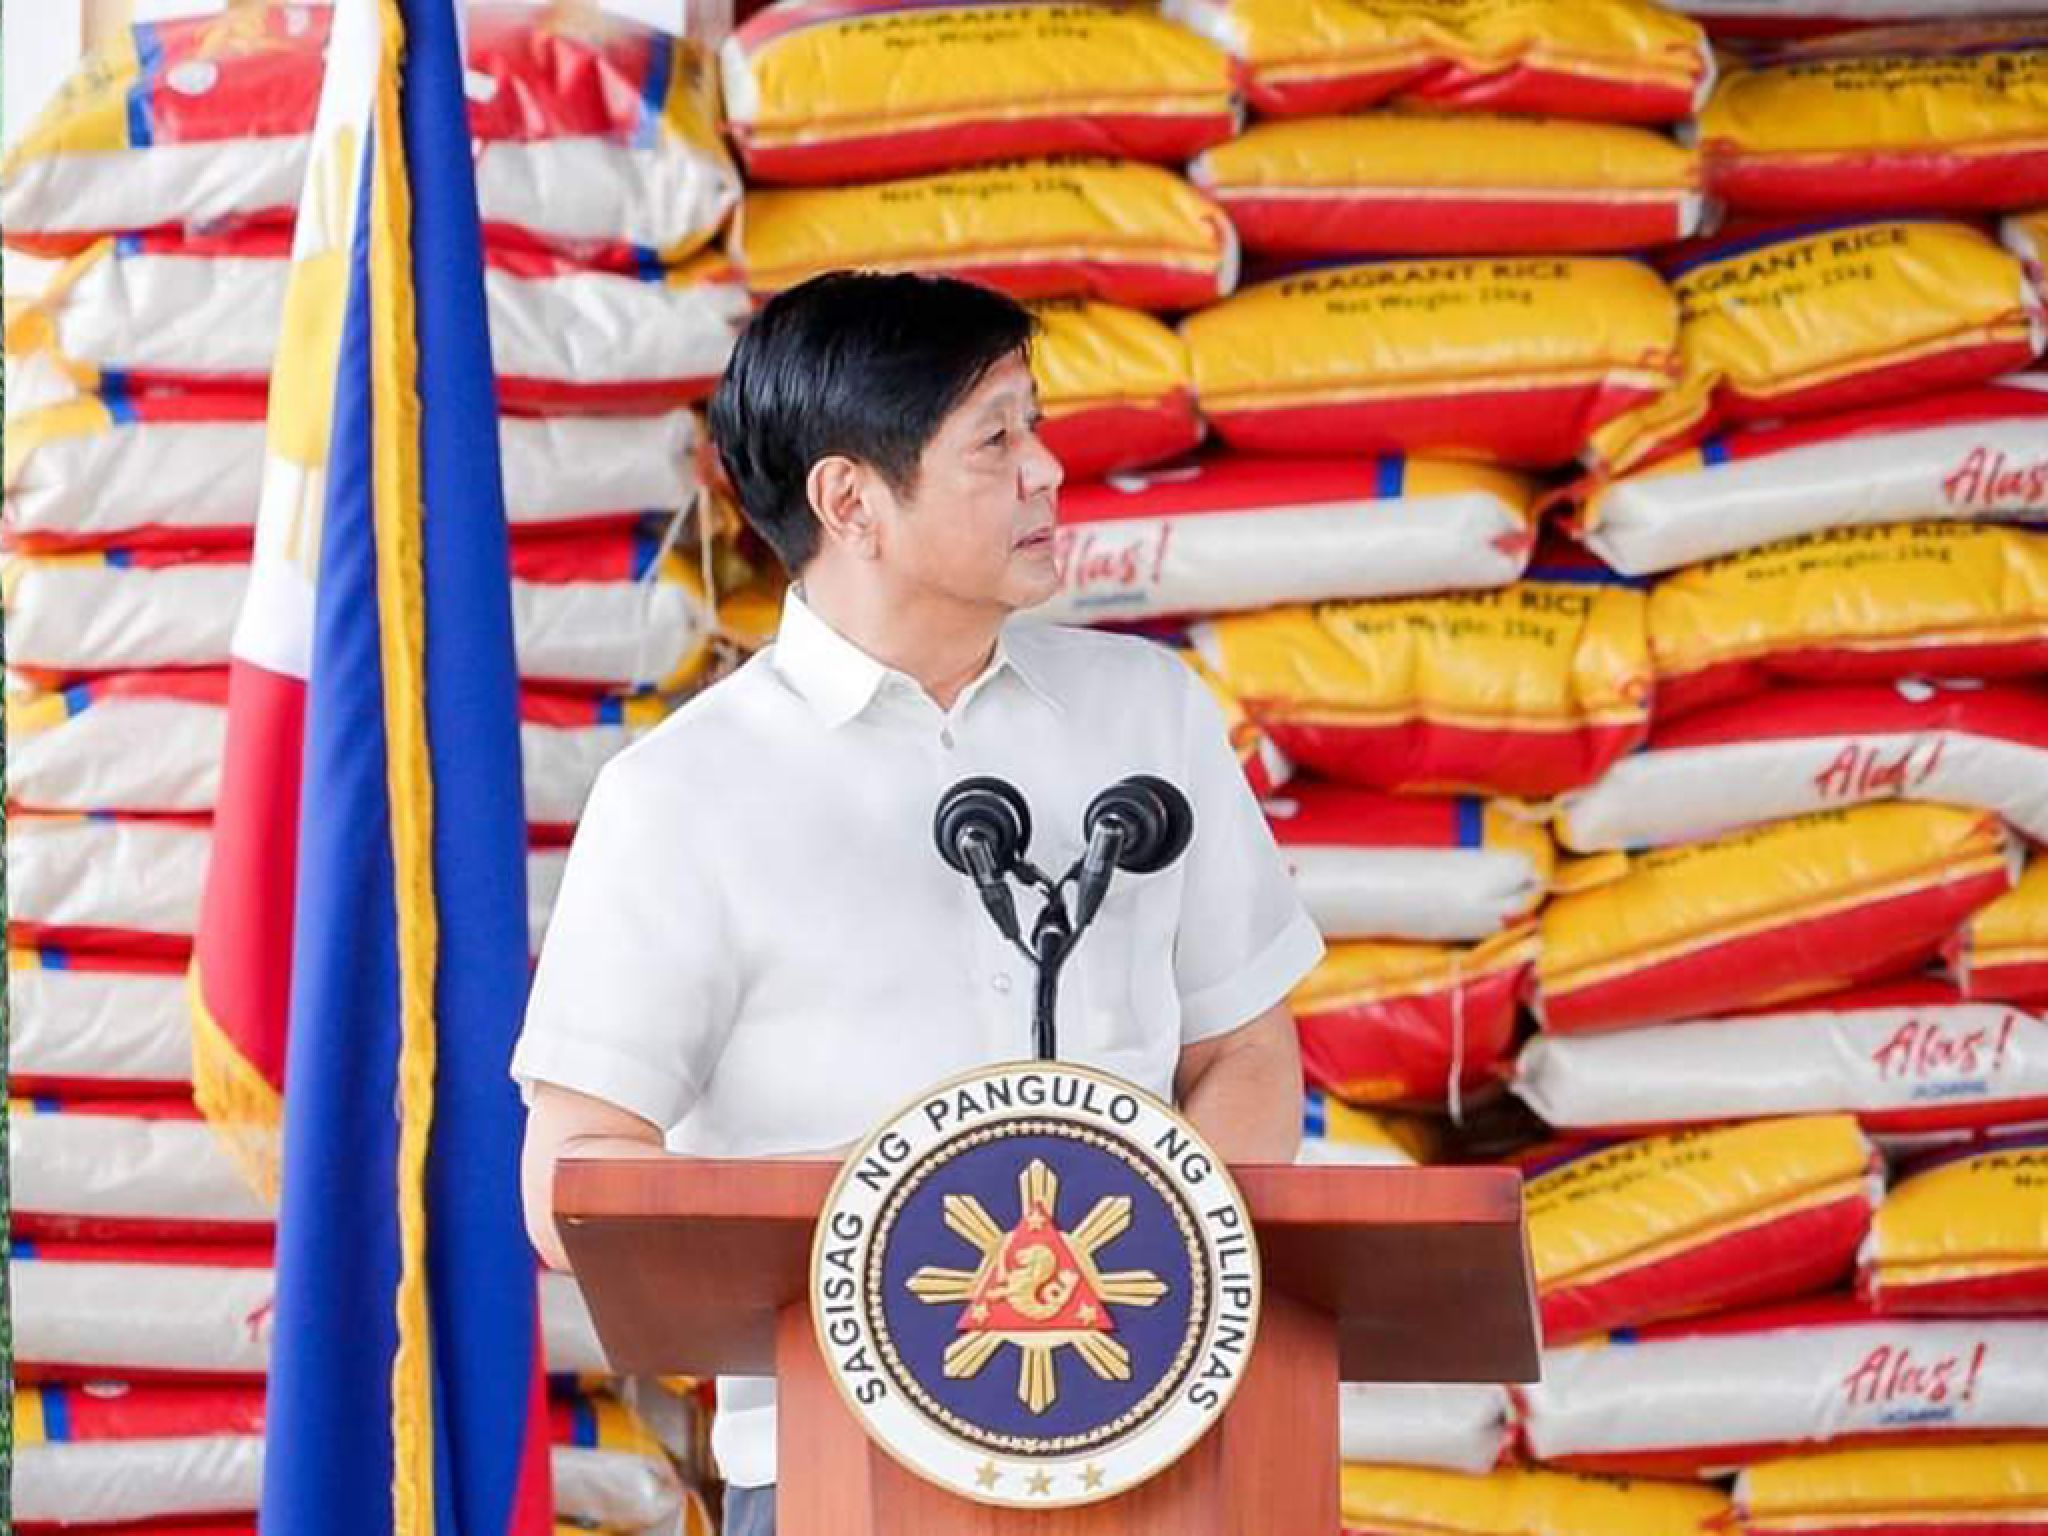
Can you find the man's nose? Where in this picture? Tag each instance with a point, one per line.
(1039, 471)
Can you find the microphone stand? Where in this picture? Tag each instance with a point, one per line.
(1052, 940)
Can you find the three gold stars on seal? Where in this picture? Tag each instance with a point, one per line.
(988, 1474)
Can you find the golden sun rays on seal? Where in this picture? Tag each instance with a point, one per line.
(1037, 1287)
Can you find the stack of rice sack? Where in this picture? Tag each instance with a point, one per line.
(159, 192)
(1789, 992)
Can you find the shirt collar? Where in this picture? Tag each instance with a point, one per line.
(838, 679)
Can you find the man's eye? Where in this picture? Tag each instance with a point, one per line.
(1001, 436)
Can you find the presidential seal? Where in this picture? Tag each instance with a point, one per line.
(1035, 1285)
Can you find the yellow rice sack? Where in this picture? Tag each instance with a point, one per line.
(1853, 604)
(1113, 230)
(822, 91)
(1773, 912)
(2026, 236)
(1999, 1486)
(2001, 954)
(1966, 1233)
(1698, 1220)
(1521, 1501)
(1403, 182)
(1812, 323)
(1516, 360)
(1951, 115)
(1395, 1023)
(1115, 387)
(1617, 60)
(1527, 690)
(1265, 768)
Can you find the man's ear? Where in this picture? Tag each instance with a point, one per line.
(841, 493)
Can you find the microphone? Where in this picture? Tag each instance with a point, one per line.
(982, 827)
(1141, 824)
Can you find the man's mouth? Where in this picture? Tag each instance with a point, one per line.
(1037, 538)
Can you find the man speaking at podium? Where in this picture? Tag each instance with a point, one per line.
(757, 951)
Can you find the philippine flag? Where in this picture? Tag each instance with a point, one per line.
(362, 959)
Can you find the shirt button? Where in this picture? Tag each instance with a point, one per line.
(946, 738)
(1000, 981)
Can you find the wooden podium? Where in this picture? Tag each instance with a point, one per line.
(701, 1267)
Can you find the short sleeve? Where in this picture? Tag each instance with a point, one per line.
(638, 983)
(1245, 938)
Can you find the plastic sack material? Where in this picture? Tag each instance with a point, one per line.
(1410, 1024)
(1521, 1501)
(1973, 455)
(1227, 533)
(1808, 322)
(592, 135)
(1118, 231)
(186, 470)
(1114, 385)
(1904, 1057)
(1458, 1428)
(1528, 690)
(159, 1311)
(1621, 60)
(1398, 183)
(1746, 919)
(125, 885)
(608, 611)
(2001, 954)
(1963, 1233)
(126, 1169)
(1999, 1488)
(1266, 768)
(824, 92)
(1787, 751)
(1905, 600)
(1714, 1394)
(89, 1023)
(1514, 360)
(1952, 115)
(2026, 236)
(1337, 1134)
(1376, 866)
(1693, 1221)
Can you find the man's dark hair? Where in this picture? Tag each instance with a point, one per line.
(860, 364)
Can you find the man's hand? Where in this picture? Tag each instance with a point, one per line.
(563, 1123)
(1243, 1090)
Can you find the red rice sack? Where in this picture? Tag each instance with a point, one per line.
(593, 135)
(1810, 322)
(823, 93)
(1115, 387)
(1459, 1428)
(1999, 1488)
(1396, 183)
(1707, 1396)
(1946, 115)
(1114, 230)
(608, 611)
(1529, 690)
(1963, 1233)
(1905, 1057)
(152, 1311)
(106, 883)
(1514, 360)
(1760, 915)
(124, 1169)
(1521, 1501)
(1376, 866)
(1228, 533)
(108, 1452)
(90, 1023)
(1690, 1221)
(186, 470)
(131, 741)
(1417, 1024)
(1970, 455)
(1265, 767)
(2026, 236)
(1853, 605)
(1789, 751)
(1620, 60)
(2002, 952)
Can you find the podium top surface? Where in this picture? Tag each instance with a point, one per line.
(687, 1261)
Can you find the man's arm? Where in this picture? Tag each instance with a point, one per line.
(562, 1122)
(1242, 1090)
